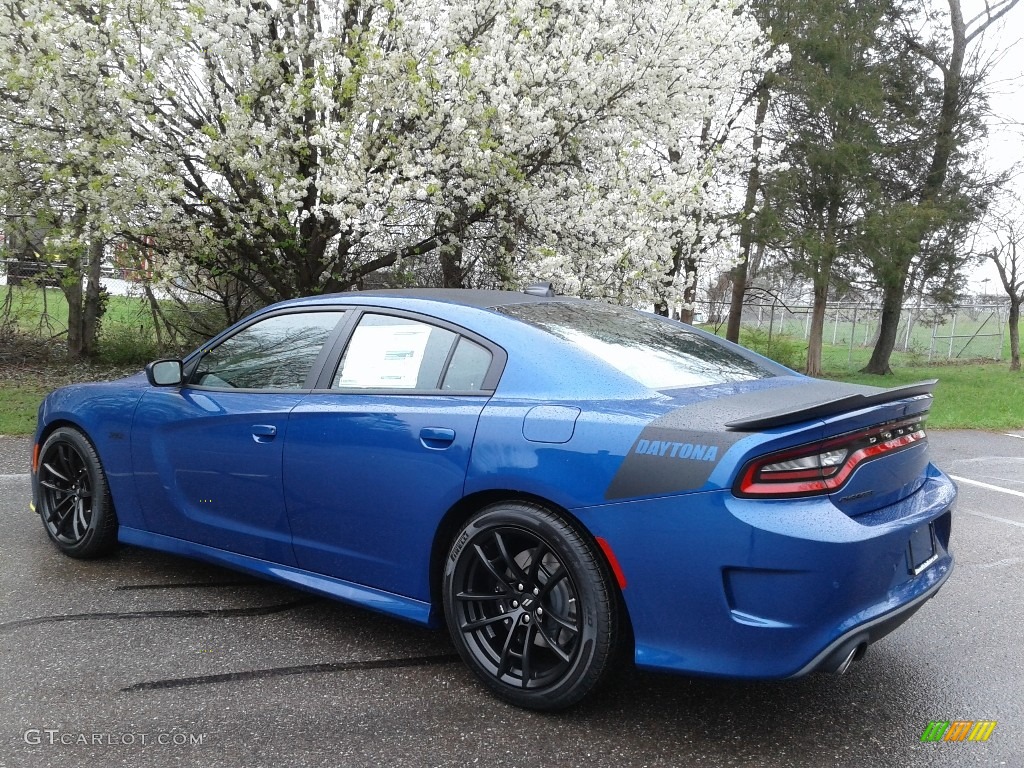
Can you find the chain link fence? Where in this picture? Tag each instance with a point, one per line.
(926, 332)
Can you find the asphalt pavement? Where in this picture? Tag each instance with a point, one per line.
(144, 659)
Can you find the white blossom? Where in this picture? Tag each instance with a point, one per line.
(235, 129)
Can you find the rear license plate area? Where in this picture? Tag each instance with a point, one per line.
(921, 549)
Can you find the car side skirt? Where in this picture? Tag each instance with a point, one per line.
(388, 603)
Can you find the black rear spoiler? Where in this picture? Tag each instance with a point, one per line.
(825, 408)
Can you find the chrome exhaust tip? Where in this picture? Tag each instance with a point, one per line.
(845, 663)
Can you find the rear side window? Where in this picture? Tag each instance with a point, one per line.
(467, 368)
(657, 353)
(388, 352)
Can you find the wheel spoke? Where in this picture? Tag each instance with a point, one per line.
(474, 596)
(538, 556)
(556, 577)
(527, 648)
(510, 562)
(61, 525)
(49, 468)
(64, 461)
(56, 488)
(559, 651)
(562, 621)
(469, 626)
(62, 507)
(80, 520)
(500, 577)
(505, 661)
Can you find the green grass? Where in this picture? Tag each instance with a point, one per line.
(968, 396)
(45, 310)
(18, 406)
(126, 336)
(23, 387)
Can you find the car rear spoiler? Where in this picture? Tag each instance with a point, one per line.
(831, 407)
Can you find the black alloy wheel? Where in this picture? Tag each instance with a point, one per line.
(74, 499)
(530, 606)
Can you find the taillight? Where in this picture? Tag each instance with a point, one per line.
(825, 466)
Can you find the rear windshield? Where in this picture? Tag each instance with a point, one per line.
(657, 353)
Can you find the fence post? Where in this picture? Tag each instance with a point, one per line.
(1002, 331)
(853, 331)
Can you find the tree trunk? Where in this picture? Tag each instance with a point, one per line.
(739, 290)
(690, 291)
(740, 271)
(451, 266)
(888, 327)
(71, 285)
(1014, 335)
(92, 308)
(817, 328)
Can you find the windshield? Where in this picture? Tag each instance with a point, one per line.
(658, 353)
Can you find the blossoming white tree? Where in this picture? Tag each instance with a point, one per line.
(302, 145)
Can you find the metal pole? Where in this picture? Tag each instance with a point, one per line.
(1002, 331)
(853, 329)
(952, 333)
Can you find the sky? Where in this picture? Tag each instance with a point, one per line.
(1006, 126)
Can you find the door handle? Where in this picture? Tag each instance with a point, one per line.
(437, 437)
(264, 433)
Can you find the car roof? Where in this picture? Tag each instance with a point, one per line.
(467, 297)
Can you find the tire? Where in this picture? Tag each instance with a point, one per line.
(74, 498)
(530, 606)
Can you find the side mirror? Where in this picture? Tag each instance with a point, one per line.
(165, 373)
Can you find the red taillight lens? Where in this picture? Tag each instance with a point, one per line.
(824, 467)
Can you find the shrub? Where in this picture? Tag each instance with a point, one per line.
(127, 345)
(786, 350)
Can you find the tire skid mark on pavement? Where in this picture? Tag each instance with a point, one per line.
(204, 613)
(304, 669)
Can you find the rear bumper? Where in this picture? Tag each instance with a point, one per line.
(764, 589)
(831, 658)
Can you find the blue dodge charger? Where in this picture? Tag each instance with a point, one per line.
(558, 481)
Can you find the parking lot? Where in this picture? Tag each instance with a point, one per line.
(147, 659)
